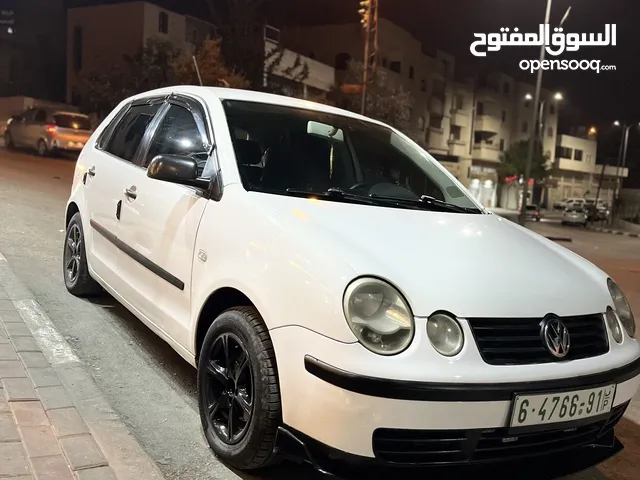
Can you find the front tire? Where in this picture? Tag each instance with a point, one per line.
(74, 261)
(238, 390)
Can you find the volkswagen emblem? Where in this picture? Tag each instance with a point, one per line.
(555, 336)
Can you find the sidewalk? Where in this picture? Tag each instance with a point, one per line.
(54, 422)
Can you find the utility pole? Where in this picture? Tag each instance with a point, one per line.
(534, 120)
(369, 21)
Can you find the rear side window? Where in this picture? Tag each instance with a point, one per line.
(77, 122)
(40, 117)
(127, 135)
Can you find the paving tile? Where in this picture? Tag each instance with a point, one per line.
(3, 295)
(54, 397)
(67, 422)
(39, 441)
(33, 359)
(18, 389)
(100, 473)
(25, 344)
(29, 414)
(12, 369)
(51, 468)
(43, 377)
(10, 316)
(3, 336)
(82, 452)
(6, 304)
(17, 330)
(7, 352)
(4, 405)
(8, 431)
(13, 460)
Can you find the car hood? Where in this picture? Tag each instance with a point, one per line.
(469, 265)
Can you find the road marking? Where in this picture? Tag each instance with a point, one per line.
(53, 345)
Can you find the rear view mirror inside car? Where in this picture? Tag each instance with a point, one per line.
(325, 131)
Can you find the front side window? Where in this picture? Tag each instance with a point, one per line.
(292, 151)
(179, 134)
(127, 135)
(41, 116)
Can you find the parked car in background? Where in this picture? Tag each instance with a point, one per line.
(569, 202)
(575, 216)
(320, 270)
(48, 131)
(532, 213)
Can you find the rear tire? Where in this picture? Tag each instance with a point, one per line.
(238, 378)
(42, 148)
(8, 141)
(74, 263)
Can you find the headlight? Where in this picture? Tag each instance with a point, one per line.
(445, 334)
(613, 324)
(379, 316)
(622, 308)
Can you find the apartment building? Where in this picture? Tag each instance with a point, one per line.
(578, 174)
(99, 36)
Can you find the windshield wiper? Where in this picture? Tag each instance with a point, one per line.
(426, 200)
(334, 193)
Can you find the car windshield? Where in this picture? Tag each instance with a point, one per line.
(575, 210)
(65, 120)
(294, 151)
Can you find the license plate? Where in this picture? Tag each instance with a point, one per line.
(540, 409)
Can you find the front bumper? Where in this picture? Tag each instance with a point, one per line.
(339, 419)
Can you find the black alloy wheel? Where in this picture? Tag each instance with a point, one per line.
(229, 396)
(239, 391)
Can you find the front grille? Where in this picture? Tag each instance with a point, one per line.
(517, 341)
(418, 447)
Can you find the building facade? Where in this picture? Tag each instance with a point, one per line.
(98, 37)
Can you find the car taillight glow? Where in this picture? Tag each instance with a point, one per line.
(50, 129)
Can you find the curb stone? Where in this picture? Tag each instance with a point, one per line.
(614, 232)
(106, 431)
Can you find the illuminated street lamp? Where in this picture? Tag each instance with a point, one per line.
(528, 97)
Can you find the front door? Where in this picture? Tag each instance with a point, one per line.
(109, 167)
(160, 222)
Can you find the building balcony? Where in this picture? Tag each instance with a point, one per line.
(321, 76)
(611, 171)
(436, 106)
(488, 123)
(458, 148)
(569, 165)
(486, 152)
(436, 139)
(459, 118)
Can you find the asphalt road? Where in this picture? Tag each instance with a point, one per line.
(150, 386)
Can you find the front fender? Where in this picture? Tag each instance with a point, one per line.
(272, 261)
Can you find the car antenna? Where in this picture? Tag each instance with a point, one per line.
(195, 64)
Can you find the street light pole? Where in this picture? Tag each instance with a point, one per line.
(622, 160)
(534, 120)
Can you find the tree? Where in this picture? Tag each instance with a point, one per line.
(156, 65)
(241, 25)
(385, 101)
(514, 160)
(213, 71)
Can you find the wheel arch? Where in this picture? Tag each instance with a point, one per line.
(217, 302)
(72, 209)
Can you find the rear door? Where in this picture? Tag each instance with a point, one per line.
(19, 128)
(110, 166)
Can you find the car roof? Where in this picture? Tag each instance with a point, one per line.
(222, 93)
(63, 112)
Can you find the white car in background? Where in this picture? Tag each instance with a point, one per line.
(574, 216)
(322, 273)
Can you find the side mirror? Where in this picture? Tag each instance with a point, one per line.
(176, 169)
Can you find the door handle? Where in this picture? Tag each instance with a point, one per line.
(92, 171)
(130, 193)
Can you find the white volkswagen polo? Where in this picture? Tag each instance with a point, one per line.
(343, 297)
